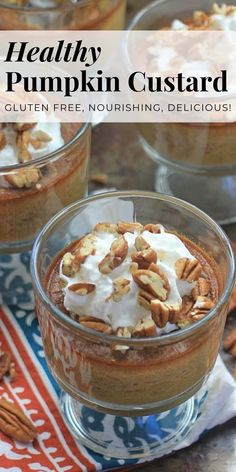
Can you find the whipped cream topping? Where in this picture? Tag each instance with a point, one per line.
(8, 155)
(126, 312)
(222, 18)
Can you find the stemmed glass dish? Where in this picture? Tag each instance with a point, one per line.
(161, 373)
(190, 156)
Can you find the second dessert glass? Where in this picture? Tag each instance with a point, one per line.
(32, 192)
(145, 406)
(191, 157)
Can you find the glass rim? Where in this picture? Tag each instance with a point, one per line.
(145, 341)
(44, 9)
(48, 157)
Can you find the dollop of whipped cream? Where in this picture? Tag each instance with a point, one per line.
(9, 153)
(126, 312)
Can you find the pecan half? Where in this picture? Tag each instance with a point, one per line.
(106, 228)
(144, 258)
(125, 227)
(141, 244)
(145, 328)
(152, 283)
(82, 288)
(117, 254)
(202, 287)
(86, 247)
(24, 178)
(14, 423)
(188, 269)
(97, 326)
(155, 229)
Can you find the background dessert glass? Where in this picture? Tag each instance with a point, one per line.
(62, 14)
(196, 161)
(163, 374)
(64, 177)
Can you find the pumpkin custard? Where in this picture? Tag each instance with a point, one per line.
(194, 144)
(42, 169)
(133, 282)
(62, 14)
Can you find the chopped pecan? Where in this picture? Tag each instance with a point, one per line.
(82, 288)
(41, 136)
(20, 127)
(14, 423)
(86, 247)
(97, 326)
(5, 362)
(160, 313)
(117, 254)
(22, 142)
(152, 283)
(202, 287)
(133, 267)
(155, 229)
(125, 227)
(67, 264)
(181, 318)
(144, 258)
(106, 228)
(145, 328)
(188, 269)
(200, 18)
(119, 350)
(3, 140)
(24, 178)
(154, 268)
(199, 310)
(141, 244)
(120, 288)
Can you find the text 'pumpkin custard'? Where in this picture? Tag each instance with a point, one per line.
(135, 281)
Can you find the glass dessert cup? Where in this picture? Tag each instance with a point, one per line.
(143, 404)
(62, 14)
(32, 192)
(190, 156)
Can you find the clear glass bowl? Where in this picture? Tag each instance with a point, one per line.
(57, 14)
(191, 156)
(159, 374)
(64, 179)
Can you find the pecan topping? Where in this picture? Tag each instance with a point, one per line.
(117, 254)
(82, 288)
(22, 142)
(141, 244)
(200, 18)
(152, 283)
(154, 268)
(124, 227)
(155, 229)
(97, 326)
(20, 127)
(67, 264)
(144, 258)
(120, 288)
(198, 311)
(133, 267)
(14, 423)
(41, 136)
(24, 178)
(106, 228)
(145, 328)
(202, 288)
(188, 269)
(86, 247)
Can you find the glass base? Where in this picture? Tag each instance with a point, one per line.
(131, 437)
(215, 195)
